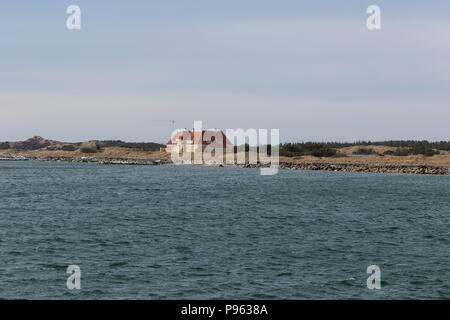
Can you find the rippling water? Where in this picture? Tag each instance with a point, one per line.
(161, 232)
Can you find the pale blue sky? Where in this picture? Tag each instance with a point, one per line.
(309, 68)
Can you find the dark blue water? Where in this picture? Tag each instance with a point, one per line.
(163, 232)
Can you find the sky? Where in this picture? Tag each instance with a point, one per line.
(309, 68)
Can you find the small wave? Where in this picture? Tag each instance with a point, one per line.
(118, 264)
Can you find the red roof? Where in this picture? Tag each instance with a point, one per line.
(204, 138)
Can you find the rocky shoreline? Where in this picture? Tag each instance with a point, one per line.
(343, 167)
(347, 167)
(99, 160)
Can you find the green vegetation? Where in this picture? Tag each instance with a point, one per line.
(416, 150)
(145, 146)
(364, 151)
(328, 149)
(88, 150)
(439, 145)
(316, 149)
(419, 146)
(68, 147)
(31, 144)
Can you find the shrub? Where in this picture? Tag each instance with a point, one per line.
(68, 148)
(145, 146)
(324, 152)
(308, 148)
(88, 150)
(401, 152)
(364, 151)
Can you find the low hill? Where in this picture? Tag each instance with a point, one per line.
(94, 146)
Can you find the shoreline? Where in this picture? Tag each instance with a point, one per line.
(283, 165)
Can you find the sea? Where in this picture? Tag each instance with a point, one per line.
(181, 232)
